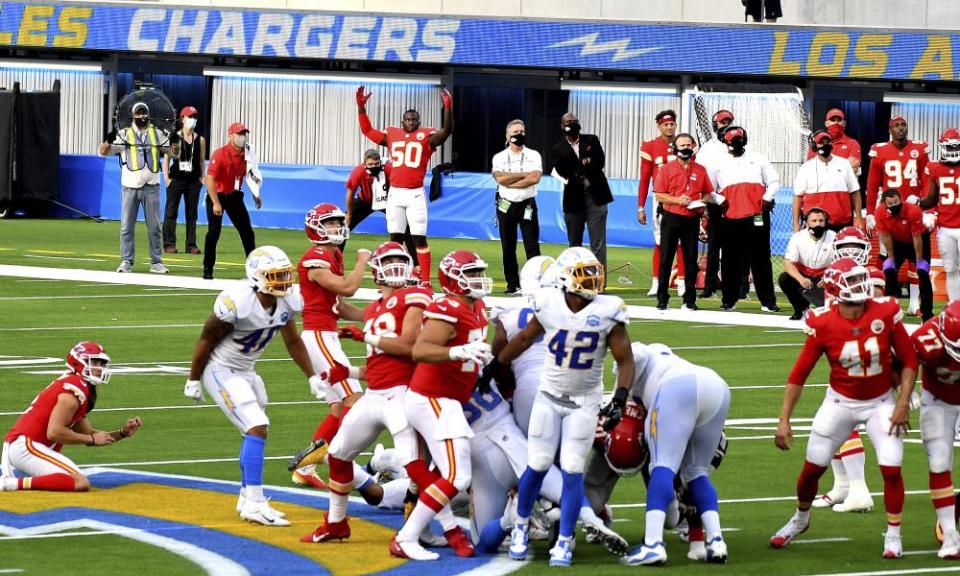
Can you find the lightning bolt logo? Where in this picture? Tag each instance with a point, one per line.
(590, 47)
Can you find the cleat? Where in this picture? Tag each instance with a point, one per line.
(461, 545)
(698, 551)
(858, 500)
(428, 539)
(950, 549)
(892, 546)
(312, 454)
(8, 483)
(562, 553)
(683, 530)
(717, 551)
(835, 496)
(598, 533)
(328, 531)
(645, 555)
(791, 530)
(242, 500)
(262, 513)
(410, 550)
(519, 541)
(307, 476)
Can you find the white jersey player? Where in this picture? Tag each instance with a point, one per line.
(243, 322)
(578, 324)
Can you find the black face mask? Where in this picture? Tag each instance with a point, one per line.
(518, 139)
(825, 150)
(818, 231)
(141, 121)
(737, 147)
(572, 129)
(685, 153)
(895, 209)
(374, 170)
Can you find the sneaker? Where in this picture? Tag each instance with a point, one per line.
(562, 553)
(707, 293)
(791, 530)
(241, 500)
(645, 555)
(461, 545)
(653, 288)
(329, 531)
(661, 306)
(698, 551)
(690, 307)
(208, 274)
(717, 551)
(125, 266)
(598, 533)
(512, 291)
(726, 308)
(519, 541)
(313, 453)
(770, 308)
(950, 549)
(307, 476)
(797, 316)
(262, 513)
(8, 483)
(193, 250)
(892, 546)
(170, 249)
(158, 268)
(858, 499)
(411, 550)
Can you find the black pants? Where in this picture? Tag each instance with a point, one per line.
(594, 219)
(686, 230)
(508, 222)
(712, 277)
(190, 191)
(359, 213)
(745, 242)
(233, 207)
(904, 251)
(795, 292)
(771, 8)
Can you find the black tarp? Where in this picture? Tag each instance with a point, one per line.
(38, 174)
(6, 145)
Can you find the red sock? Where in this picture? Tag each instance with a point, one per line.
(893, 493)
(656, 260)
(941, 489)
(438, 494)
(423, 259)
(341, 475)
(696, 533)
(327, 429)
(422, 476)
(51, 482)
(808, 482)
(680, 269)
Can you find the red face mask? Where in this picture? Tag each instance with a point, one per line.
(836, 131)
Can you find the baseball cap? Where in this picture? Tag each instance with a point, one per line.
(722, 115)
(140, 106)
(189, 111)
(237, 128)
(896, 119)
(834, 112)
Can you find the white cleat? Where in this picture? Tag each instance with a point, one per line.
(561, 554)
(519, 541)
(793, 528)
(262, 513)
(892, 546)
(653, 288)
(698, 551)
(598, 533)
(950, 549)
(645, 555)
(8, 483)
(411, 550)
(858, 500)
(242, 499)
(717, 551)
(835, 496)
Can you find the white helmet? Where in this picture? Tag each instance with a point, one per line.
(536, 274)
(269, 269)
(579, 272)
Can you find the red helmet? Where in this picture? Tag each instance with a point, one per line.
(318, 233)
(949, 144)
(80, 358)
(950, 329)
(848, 281)
(877, 279)
(394, 274)
(851, 242)
(455, 278)
(625, 449)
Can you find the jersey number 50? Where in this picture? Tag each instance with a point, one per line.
(407, 154)
(587, 345)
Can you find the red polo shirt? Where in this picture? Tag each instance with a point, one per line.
(361, 183)
(677, 180)
(228, 168)
(904, 225)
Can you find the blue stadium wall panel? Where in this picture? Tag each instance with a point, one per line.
(466, 210)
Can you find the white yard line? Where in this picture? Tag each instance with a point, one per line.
(893, 572)
(98, 296)
(769, 499)
(108, 327)
(821, 540)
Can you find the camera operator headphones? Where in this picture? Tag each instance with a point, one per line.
(813, 137)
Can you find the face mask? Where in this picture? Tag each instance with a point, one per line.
(189, 123)
(895, 209)
(685, 153)
(240, 141)
(141, 121)
(572, 129)
(825, 150)
(835, 130)
(818, 231)
(374, 170)
(736, 147)
(518, 139)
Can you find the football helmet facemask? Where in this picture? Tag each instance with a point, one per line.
(851, 242)
(392, 265)
(949, 144)
(625, 450)
(269, 269)
(317, 225)
(462, 274)
(949, 324)
(579, 272)
(848, 281)
(537, 273)
(90, 361)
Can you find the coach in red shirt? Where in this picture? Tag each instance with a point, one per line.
(904, 237)
(367, 189)
(225, 175)
(679, 183)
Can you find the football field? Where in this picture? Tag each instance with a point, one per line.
(163, 500)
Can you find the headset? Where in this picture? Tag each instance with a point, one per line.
(812, 138)
(673, 145)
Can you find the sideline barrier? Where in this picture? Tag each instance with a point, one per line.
(466, 209)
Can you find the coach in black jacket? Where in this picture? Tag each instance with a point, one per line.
(578, 162)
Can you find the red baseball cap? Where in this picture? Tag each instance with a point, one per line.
(896, 119)
(833, 112)
(722, 115)
(237, 128)
(189, 111)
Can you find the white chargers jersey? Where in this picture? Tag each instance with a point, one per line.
(660, 364)
(528, 366)
(253, 327)
(484, 411)
(576, 342)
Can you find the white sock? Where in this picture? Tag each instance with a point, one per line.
(953, 286)
(840, 482)
(447, 519)
(360, 476)
(255, 493)
(802, 515)
(914, 296)
(394, 493)
(853, 465)
(711, 524)
(337, 509)
(587, 516)
(654, 530)
(893, 530)
(419, 519)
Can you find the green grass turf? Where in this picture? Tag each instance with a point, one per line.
(57, 317)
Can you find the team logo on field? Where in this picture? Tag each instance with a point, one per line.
(593, 321)
(391, 302)
(876, 326)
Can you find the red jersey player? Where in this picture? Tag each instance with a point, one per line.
(654, 154)
(860, 336)
(449, 352)
(898, 163)
(943, 179)
(938, 348)
(58, 416)
(322, 284)
(410, 148)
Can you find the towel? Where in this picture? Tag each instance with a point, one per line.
(254, 178)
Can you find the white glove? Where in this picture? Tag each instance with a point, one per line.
(871, 222)
(929, 220)
(193, 390)
(477, 351)
(318, 387)
(913, 199)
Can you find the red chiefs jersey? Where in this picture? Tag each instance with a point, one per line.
(940, 372)
(947, 179)
(891, 167)
(33, 423)
(860, 351)
(385, 318)
(410, 155)
(454, 378)
(321, 307)
(653, 154)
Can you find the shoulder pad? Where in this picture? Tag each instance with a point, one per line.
(75, 385)
(294, 300)
(417, 296)
(233, 304)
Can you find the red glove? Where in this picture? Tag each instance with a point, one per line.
(362, 98)
(447, 98)
(338, 373)
(351, 332)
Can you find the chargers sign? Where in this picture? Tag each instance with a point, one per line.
(848, 53)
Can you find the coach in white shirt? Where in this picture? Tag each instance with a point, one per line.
(517, 170)
(807, 257)
(828, 182)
